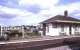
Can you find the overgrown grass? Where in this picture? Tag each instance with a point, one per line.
(33, 34)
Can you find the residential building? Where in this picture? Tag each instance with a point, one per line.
(27, 28)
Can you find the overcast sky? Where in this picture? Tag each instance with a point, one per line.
(31, 12)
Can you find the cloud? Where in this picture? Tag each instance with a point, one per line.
(35, 11)
(30, 20)
(7, 16)
(9, 3)
(33, 8)
(24, 14)
(12, 12)
(65, 2)
(42, 3)
(55, 10)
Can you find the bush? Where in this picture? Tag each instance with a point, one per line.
(5, 37)
(14, 32)
(33, 34)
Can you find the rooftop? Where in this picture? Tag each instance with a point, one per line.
(62, 18)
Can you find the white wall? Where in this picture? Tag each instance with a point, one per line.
(66, 30)
(73, 30)
(56, 31)
(52, 31)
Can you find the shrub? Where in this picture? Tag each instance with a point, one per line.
(33, 34)
(5, 37)
(14, 32)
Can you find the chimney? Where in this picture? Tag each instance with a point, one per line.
(66, 13)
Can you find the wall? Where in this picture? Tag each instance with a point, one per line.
(73, 30)
(55, 31)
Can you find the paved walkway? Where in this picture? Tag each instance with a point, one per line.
(37, 39)
(75, 46)
(39, 43)
(59, 48)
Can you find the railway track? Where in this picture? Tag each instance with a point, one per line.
(39, 45)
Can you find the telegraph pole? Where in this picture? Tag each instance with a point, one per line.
(1, 30)
(23, 32)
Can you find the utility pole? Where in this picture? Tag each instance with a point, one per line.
(23, 32)
(1, 30)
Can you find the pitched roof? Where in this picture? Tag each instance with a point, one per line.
(62, 18)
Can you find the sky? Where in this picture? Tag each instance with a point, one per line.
(31, 12)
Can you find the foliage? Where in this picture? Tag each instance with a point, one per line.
(33, 34)
(12, 33)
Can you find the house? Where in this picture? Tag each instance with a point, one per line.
(8, 28)
(24, 29)
(61, 25)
